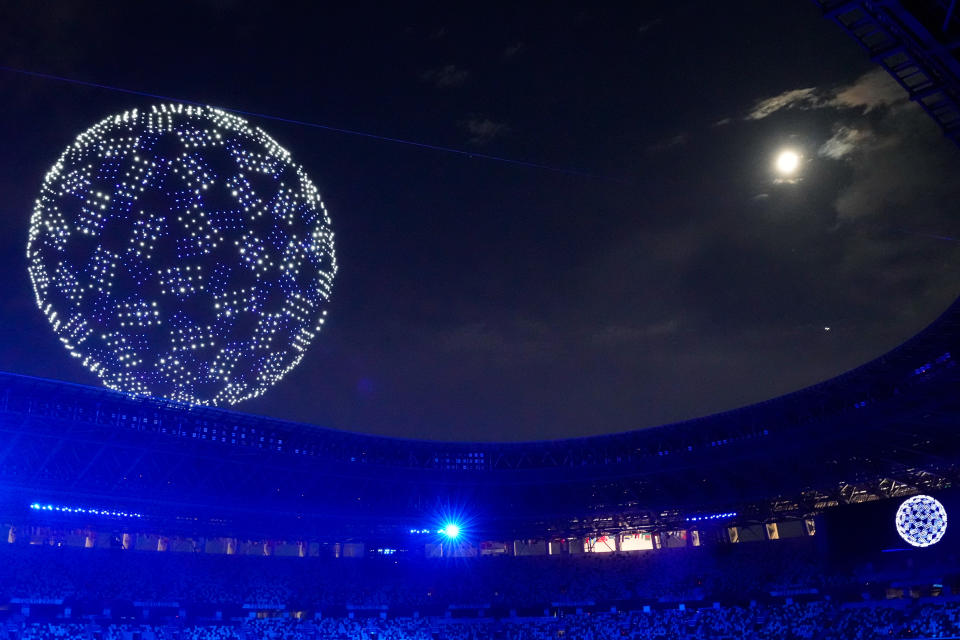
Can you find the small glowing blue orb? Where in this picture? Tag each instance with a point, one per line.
(451, 530)
(921, 521)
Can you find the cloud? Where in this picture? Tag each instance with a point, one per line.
(808, 98)
(870, 91)
(669, 143)
(446, 76)
(483, 130)
(903, 171)
(512, 50)
(895, 151)
(897, 158)
(511, 340)
(618, 335)
(901, 168)
(845, 141)
(503, 340)
(647, 26)
(472, 336)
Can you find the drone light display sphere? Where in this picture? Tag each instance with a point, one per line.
(180, 253)
(921, 521)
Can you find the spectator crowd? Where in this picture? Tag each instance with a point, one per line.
(821, 620)
(41, 571)
(783, 591)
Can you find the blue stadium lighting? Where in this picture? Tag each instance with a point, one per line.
(712, 516)
(926, 368)
(36, 506)
(453, 524)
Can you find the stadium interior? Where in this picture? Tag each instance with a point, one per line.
(137, 518)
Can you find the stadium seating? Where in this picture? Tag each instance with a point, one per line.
(819, 619)
(762, 591)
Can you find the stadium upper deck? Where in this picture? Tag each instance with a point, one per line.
(884, 429)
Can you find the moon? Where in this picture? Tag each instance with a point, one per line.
(788, 162)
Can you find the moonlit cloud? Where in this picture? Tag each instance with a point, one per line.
(512, 50)
(844, 141)
(446, 77)
(669, 143)
(897, 156)
(808, 98)
(618, 335)
(901, 164)
(647, 26)
(483, 130)
(870, 91)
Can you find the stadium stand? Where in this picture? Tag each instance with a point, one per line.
(140, 519)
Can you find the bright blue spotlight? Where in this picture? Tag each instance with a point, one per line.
(451, 530)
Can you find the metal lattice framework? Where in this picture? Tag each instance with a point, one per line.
(916, 43)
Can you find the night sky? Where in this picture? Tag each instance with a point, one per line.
(678, 275)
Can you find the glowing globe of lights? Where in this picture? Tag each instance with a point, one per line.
(180, 253)
(921, 521)
(451, 530)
